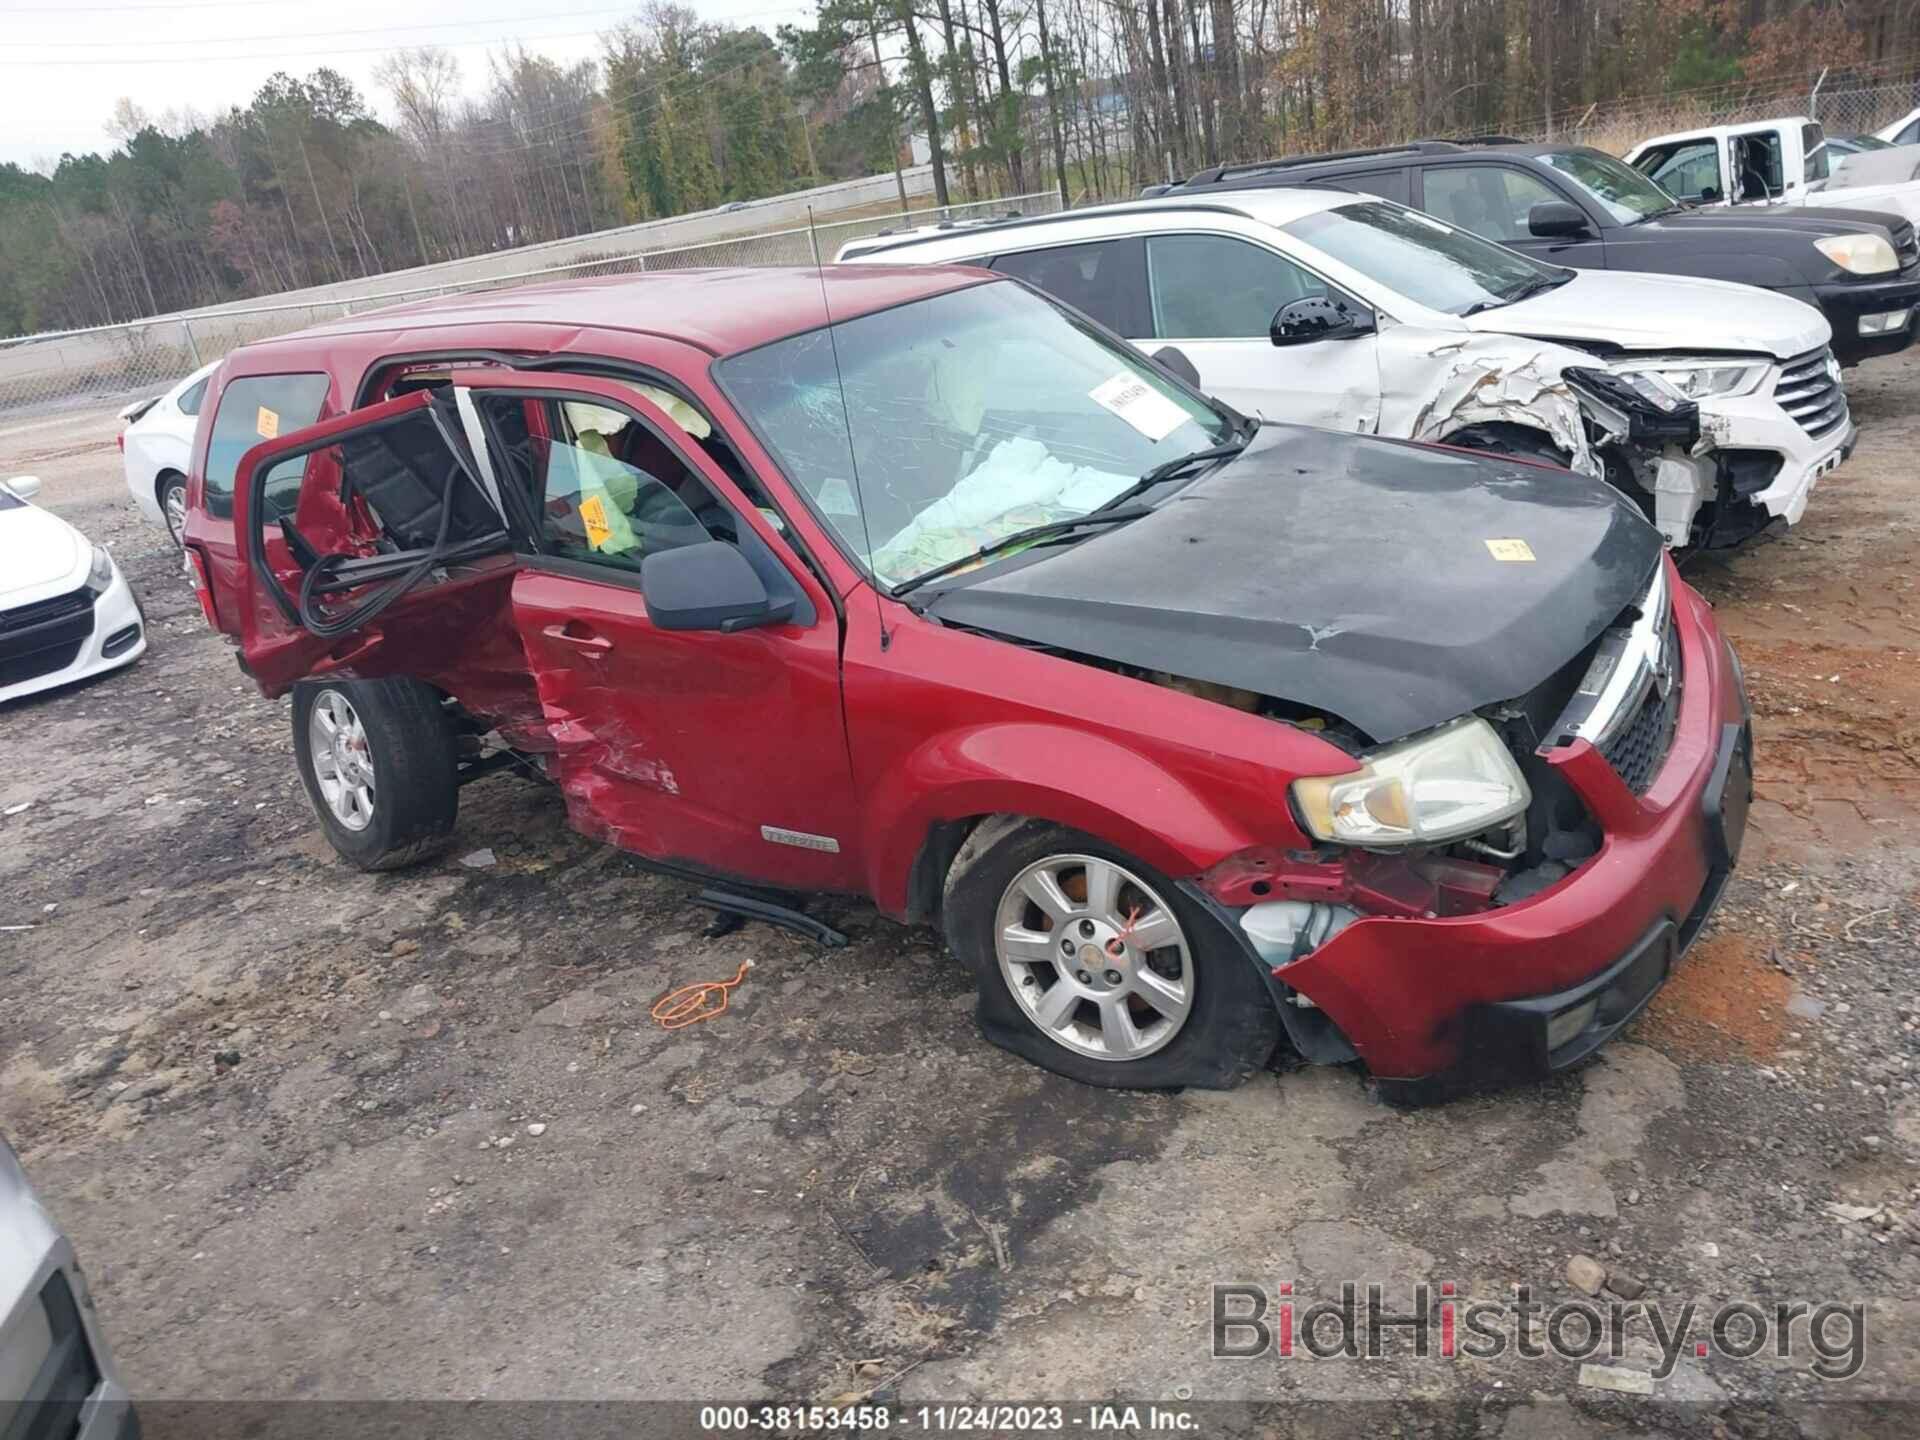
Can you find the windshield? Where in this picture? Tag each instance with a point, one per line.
(972, 415)
(1622, 191)
(1425, 259)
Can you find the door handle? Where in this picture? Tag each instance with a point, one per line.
(580, 638)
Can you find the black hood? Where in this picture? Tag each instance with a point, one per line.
(1741, 242)
(1340, 572)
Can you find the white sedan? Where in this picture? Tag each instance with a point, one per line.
(154, 448)
(66, 611)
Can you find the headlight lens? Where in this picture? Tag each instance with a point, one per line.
(1859, 254)
(1698, 379)
(1445, 785)
(101, 575)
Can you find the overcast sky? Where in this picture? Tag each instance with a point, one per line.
(63, 63)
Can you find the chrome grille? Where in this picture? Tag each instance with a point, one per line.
(1640, 747)
(1809, 390)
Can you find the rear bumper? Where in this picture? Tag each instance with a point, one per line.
(1844, 303)
(1436, 998)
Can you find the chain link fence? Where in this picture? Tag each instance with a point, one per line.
(1842, 109)
(111, 364)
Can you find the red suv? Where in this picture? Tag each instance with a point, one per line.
(1191, 732)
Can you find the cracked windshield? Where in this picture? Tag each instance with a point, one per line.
(971, 416)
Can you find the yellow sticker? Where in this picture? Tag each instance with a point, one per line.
(1514, 552)
(267, 423)
(593, 513)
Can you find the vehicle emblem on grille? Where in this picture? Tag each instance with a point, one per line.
(1663, 668)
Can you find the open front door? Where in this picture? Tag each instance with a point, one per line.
(687, 661)
(392, 548)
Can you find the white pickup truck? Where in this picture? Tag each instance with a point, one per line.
(1763, 162)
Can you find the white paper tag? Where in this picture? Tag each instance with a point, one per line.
(1140, 405)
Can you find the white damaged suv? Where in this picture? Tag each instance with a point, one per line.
(1715, 406)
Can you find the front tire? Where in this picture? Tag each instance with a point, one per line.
(378, 761)
(1094, 965)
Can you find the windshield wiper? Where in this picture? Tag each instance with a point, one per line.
(1527, 291)
(1225, 450)
(1102, 516)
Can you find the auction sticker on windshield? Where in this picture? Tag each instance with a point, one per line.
(1514, 552)
(1140, 405)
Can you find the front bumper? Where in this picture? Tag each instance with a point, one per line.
(65, 647)
(1430, 998)
(1844, 302)
(1756, 423)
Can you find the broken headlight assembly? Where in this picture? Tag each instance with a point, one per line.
(1859, 254)
(1446, 785)
(1695, 379)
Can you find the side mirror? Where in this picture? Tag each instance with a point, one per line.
(708, 586)
(1302, 322)
(1558, 218)
(24, 486)
(1709, 194)
(1175, 362)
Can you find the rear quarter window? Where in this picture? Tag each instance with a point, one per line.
(1106, 279)
(255, 408)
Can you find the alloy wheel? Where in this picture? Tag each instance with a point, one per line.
(342, 759)
(1094, 956)
(173, 506)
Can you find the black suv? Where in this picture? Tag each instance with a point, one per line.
(1571, 205)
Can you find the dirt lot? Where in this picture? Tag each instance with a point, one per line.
(287, 1110)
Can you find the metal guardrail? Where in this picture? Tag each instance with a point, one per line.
(111, 364)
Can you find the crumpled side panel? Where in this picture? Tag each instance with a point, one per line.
(1434, 385)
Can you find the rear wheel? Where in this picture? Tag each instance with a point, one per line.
(1094, 965)
(172, 494)
(378, 760)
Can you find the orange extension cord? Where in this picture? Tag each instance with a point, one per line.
(691, 1004)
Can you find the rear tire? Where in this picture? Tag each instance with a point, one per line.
(378, 760)
(1190, 1010)
(171, 492)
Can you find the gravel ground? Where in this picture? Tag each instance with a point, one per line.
(320, 1134)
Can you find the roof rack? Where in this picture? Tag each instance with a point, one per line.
(1463, 140)
(1215, 174)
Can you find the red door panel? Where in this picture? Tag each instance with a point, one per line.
(726, 752)
(681, 745)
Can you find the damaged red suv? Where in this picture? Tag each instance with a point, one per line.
(1193, 734)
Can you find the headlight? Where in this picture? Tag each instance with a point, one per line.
(1698, 379)
(101, 575)
(1446, 785)
(1859, 254)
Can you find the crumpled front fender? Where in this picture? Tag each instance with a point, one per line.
(1435, 384)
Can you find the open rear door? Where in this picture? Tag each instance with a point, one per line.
(392, 549)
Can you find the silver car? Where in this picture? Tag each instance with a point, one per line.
(57, 1379)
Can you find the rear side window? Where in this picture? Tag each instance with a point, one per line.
(252, 409)
(1387, 184)
(1210, 287)
(1492, 201)
(1106, 279)
(190, 398)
